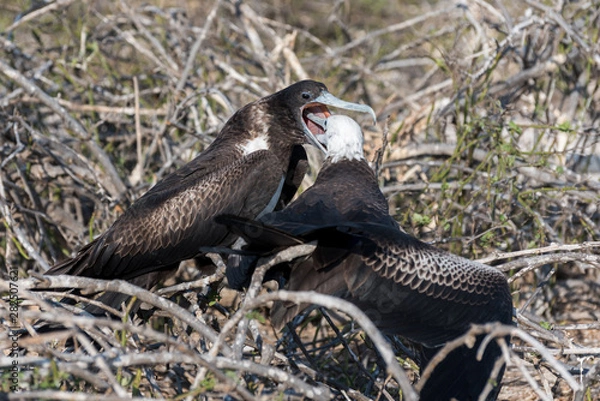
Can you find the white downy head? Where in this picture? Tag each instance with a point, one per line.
(343, 138)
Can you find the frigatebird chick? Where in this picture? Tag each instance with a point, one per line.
(254, 165)
(407, 287)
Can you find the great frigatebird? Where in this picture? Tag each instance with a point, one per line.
(407, 287)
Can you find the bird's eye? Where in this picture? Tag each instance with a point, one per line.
(305, 95)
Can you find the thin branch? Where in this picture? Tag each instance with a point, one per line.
(393, 28)
(123, 287)
(497, 330)
(384, 144)
(114, 185)
(197, 46)
(310, 297)
(525, 265)
(70, 396)
(55, 5)
(584, 246)
(562, 23)
(263, 265)
(14, 227)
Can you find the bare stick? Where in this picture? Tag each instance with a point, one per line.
(69, 396)
(528, 264)
(392, 28)
(96, 285)
(21, 236)
(561, 22)
(381, 151)
(584, 246)
(256, 283)
(131, 359)
(196, 47)
(39, 12)
(497, 330)
(172, 65)
(114, 185)
(310, 297)
(138, 171)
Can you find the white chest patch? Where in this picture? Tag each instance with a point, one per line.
(254, 144)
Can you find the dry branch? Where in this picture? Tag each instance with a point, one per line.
(114, 184)
(493, 154)
(123, 287)
(309, 297)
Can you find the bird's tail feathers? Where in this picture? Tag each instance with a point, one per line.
(75, 265)
(257, 234)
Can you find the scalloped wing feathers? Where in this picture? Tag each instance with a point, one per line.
(167, 226)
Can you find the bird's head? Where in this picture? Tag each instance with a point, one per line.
(343, 138)
(313, 100)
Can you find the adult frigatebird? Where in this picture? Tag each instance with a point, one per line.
(254, 165)
(407, 287)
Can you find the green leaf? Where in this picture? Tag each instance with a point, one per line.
(421, 219)
(565, 126)
(514, 127)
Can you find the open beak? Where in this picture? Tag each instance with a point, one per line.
(314, 116)
(316, 113)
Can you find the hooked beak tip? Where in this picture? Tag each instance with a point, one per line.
(372, 113)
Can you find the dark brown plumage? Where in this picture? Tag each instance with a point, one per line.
(407, 287)
(254, 165)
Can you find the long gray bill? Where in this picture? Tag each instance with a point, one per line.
(330, 100)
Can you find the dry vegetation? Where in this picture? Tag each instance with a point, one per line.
(493, 153)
